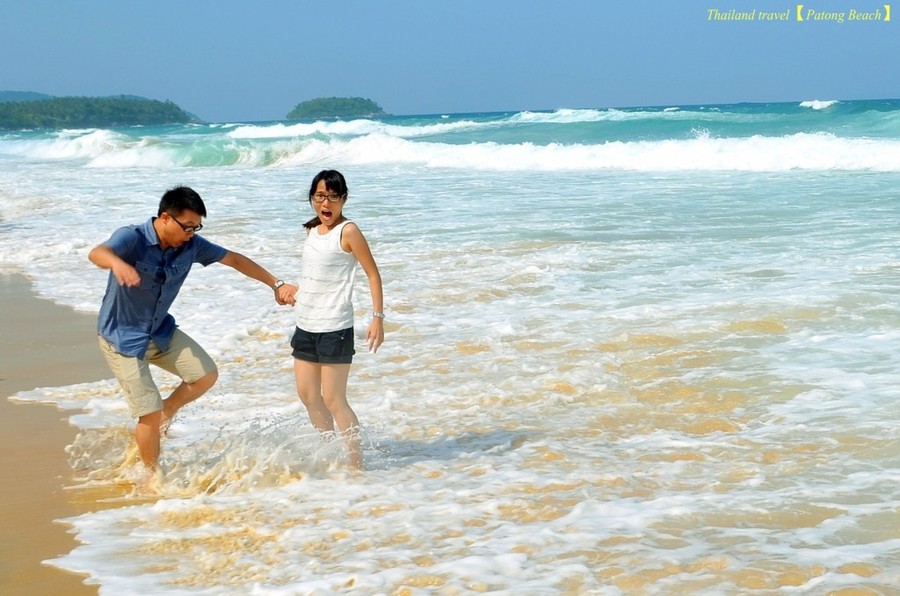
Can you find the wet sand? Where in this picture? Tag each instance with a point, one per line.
(42, 345)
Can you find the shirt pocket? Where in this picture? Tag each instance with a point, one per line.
(177, 272)
(152, 277)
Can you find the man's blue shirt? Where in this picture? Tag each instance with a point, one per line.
(132, 316)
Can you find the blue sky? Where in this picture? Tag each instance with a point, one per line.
(231, 60)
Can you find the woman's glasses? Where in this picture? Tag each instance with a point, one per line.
(330, 198)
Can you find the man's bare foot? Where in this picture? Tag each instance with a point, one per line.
(152, 483)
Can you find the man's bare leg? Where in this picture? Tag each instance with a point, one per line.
(146, 434)
(184, 394)
(150, 426)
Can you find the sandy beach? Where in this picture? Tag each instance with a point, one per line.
(43, 344)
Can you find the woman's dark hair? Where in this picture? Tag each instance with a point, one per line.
(334, 181)
(179, 199)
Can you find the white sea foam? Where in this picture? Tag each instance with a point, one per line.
(818, 152)
(352, 128)
(72, 144)
(567, 116)
(817, 104)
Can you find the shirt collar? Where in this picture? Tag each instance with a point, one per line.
(150, 232)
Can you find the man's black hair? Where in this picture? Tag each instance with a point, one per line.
(180, 199)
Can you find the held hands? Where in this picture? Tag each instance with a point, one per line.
(285, 294)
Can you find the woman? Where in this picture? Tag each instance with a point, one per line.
(323, 341)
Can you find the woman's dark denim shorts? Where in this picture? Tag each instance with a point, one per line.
(331, 347)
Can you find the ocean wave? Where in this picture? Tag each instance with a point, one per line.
(69, 144)
(816, 104)
(566, 138)
(416, 128)
(674, 113)
(353, 128)
(818, 151)
(567, 116)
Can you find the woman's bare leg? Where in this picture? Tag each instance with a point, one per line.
(334, 394)
(308, 376)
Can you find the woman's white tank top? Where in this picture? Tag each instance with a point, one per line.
(324, 301)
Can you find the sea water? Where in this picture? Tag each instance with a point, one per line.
(628, 351)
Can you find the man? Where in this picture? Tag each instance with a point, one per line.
(148, 264)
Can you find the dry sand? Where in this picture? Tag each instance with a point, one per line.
(42, 345)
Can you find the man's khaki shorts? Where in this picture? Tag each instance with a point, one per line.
(184, 358)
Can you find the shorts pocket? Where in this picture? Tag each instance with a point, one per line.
(302, 341)
(331, 345)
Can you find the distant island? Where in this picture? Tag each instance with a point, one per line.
(28, 110)
(336, 107)
(22, 110)
(23, 96)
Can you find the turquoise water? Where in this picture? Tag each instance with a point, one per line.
(809, 135)
(648, 350)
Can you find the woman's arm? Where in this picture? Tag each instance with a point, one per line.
(353, 240)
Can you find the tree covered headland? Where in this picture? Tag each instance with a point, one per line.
(89, 112)
(336, 107)
(23, 96)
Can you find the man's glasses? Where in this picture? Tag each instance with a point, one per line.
(187, 229)
(330, 198)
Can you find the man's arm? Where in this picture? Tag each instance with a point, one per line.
(103, 256)
(250, 268)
